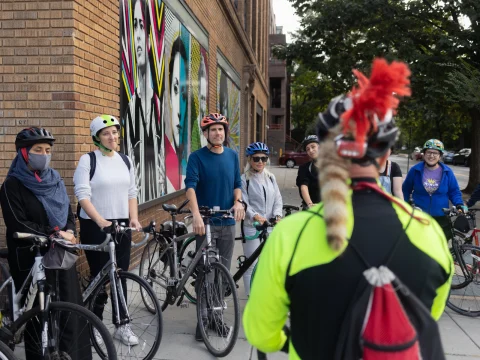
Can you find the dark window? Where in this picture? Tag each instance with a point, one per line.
(259, 123)
(277, 119)
(276, 92)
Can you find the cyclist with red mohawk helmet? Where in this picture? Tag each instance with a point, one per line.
(213, 179)
(314, 261)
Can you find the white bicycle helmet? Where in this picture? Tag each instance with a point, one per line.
(101, 122)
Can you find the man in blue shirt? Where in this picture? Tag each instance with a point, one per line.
(213, 179)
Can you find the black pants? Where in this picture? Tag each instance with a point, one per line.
(90, 234)
(72, 340)
(445, 224)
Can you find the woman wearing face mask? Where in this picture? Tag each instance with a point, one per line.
(261, 194)
(110, 194)
(307, 177)
(432, 185)
(34, 200)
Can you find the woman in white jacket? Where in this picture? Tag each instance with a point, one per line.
(262, 196)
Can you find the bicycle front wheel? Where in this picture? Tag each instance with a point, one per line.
(6, 353)
(136, 331)
(464, 295)
(155, 272)
(70, 331)
(218, 310)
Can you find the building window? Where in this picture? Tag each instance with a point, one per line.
(276, 92)
(259, 124)
(276, 122)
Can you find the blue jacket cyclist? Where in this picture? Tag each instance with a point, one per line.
(432, 185)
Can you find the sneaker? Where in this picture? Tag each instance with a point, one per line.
(125, 334)
(98, 337)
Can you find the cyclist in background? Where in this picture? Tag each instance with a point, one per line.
(110, 194)
(213, 179)
(474, 197)
(391, 177)
(310, 266)
(432, 184)
(34, 200)
(307, 178)
(261, 194)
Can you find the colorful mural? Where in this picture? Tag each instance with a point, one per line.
(228, 104)
(164, 94)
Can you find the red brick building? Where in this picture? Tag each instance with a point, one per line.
(62, 63)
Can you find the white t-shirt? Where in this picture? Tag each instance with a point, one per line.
(111, 187)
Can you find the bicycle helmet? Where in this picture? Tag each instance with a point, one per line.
(434, 144)
(34, 135)
(214, 118)
(101, 122)
(256, 147)
(366, 113)
(310, 139)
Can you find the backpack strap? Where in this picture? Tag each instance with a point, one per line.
(93, 163)
(248, 184)
(125, 159)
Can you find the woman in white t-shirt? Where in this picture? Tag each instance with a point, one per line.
(110, 193)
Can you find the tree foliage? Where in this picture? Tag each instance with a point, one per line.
(440, 40)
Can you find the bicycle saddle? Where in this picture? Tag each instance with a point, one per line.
(169, 207)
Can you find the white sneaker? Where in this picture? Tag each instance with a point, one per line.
(98, 337)
(125, 334)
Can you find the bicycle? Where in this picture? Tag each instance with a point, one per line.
(160, 265)
(465, 288)
(124, 310)
(187, 252)
(46, 323)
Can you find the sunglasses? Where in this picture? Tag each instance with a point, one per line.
(258, 158)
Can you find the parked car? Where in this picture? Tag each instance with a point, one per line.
(294, 158)
(417, 154)
(448, 156)
(462, 157)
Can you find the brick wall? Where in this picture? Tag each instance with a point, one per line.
(59, 68)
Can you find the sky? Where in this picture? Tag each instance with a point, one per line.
(285, 16)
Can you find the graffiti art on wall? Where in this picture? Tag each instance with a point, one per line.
(164, 93)
(228, 104)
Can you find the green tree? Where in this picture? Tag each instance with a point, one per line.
(434, 37)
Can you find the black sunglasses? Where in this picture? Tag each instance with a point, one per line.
(258, 158)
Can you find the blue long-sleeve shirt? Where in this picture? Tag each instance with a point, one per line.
(214, 177)
(448, 190)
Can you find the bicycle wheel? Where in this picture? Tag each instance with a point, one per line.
(71, 332)
(155, 272)
(464, 295)
(189, 246)
(6, 353)
(138, 334)
(6, 309)
(218, 314)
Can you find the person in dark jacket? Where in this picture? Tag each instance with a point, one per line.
(34, 200)
(474, 197)
(307, 177)
(433, 185)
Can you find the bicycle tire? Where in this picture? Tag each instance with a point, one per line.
(150, 259)
(189, 290)
(231, 336)
(137, 282)
(6, 297)
(463, 306)
(6, 353)
(93, 321)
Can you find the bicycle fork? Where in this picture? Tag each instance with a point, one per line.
(116, 287)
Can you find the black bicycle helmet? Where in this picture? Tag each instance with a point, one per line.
(309, 139)
(31, 136)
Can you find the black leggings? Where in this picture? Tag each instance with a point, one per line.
(90, 234)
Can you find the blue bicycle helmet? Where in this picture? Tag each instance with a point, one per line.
(256, 147)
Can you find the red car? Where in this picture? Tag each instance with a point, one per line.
(293, 158)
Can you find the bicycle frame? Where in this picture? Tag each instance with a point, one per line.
(244, 265)
(108, 270)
